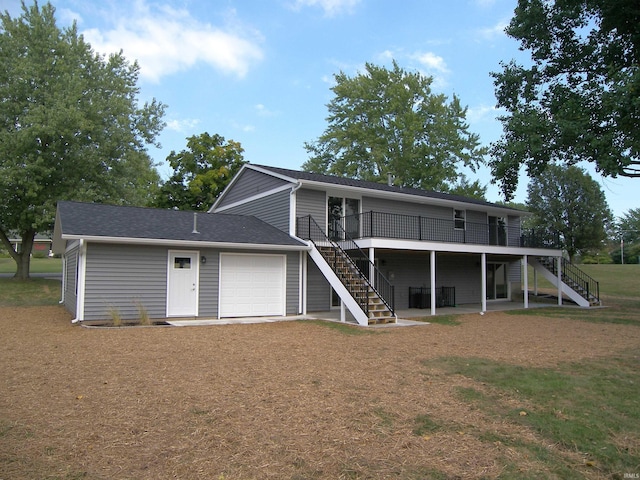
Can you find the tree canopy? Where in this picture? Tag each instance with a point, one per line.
(579, 100)
(200, 172)
(388, 121)
(71, 127)
(569, 201)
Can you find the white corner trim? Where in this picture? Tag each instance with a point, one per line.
(81, 280)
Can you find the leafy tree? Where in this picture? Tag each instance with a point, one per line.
(389, 121)
(629, 225)
(200, 172)
(580, 98)
(569, 201)
(627, 229)
(70, 127)
(469, 189)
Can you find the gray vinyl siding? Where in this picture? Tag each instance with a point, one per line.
(404, 270)
(314, 203)
(122, 277)
(273, 209)
(250, 183)
(463, 272)
(406, 208)
(513, 231)
(209, 283)
(70, 279)
(293, 284)
(477, 227)
(318, 289)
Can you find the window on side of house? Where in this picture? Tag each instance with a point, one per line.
(459, 219)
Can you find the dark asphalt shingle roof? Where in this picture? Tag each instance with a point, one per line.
(381, 187)
(98, 220)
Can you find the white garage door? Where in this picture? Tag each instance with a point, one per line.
(252, 285)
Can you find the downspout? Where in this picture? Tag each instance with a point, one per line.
(64, 277)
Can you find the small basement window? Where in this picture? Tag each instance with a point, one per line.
(459, 219)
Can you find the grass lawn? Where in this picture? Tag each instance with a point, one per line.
(33, 292)
(38, 265)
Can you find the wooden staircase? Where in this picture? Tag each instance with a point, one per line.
(579, 286)
(357, 285)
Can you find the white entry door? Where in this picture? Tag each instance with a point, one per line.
(252, 285)
(182, 284)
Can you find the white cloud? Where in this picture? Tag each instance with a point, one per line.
(484, 3)
(165, 40)
(431, 61)
(482, 113)
(497, 30)
(264, 111)
(66, 16)
(330, 7)
(182, 126)
(386, 56)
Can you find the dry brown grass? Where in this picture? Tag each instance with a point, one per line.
(277, 400)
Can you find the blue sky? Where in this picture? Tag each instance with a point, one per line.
(260, 71)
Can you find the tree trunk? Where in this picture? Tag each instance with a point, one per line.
(22, 259)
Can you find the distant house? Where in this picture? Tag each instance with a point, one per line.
(281, 242)
(41, 244)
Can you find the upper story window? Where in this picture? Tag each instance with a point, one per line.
(459, 219)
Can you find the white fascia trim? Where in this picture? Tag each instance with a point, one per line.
(251, 199)
(454, 247)
(272, 173)
(187, 243)
(413, 198)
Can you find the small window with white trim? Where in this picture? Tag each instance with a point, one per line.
(182, 262)
(459, 219)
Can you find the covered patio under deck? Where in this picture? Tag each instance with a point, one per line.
(437, 273)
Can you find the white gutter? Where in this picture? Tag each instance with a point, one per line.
(184, 243)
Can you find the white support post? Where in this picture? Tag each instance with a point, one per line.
(525, 277)
(343, 312)
(483, 282)
(559, 264)
(372, 268)
(303, 283)
(432, 269)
